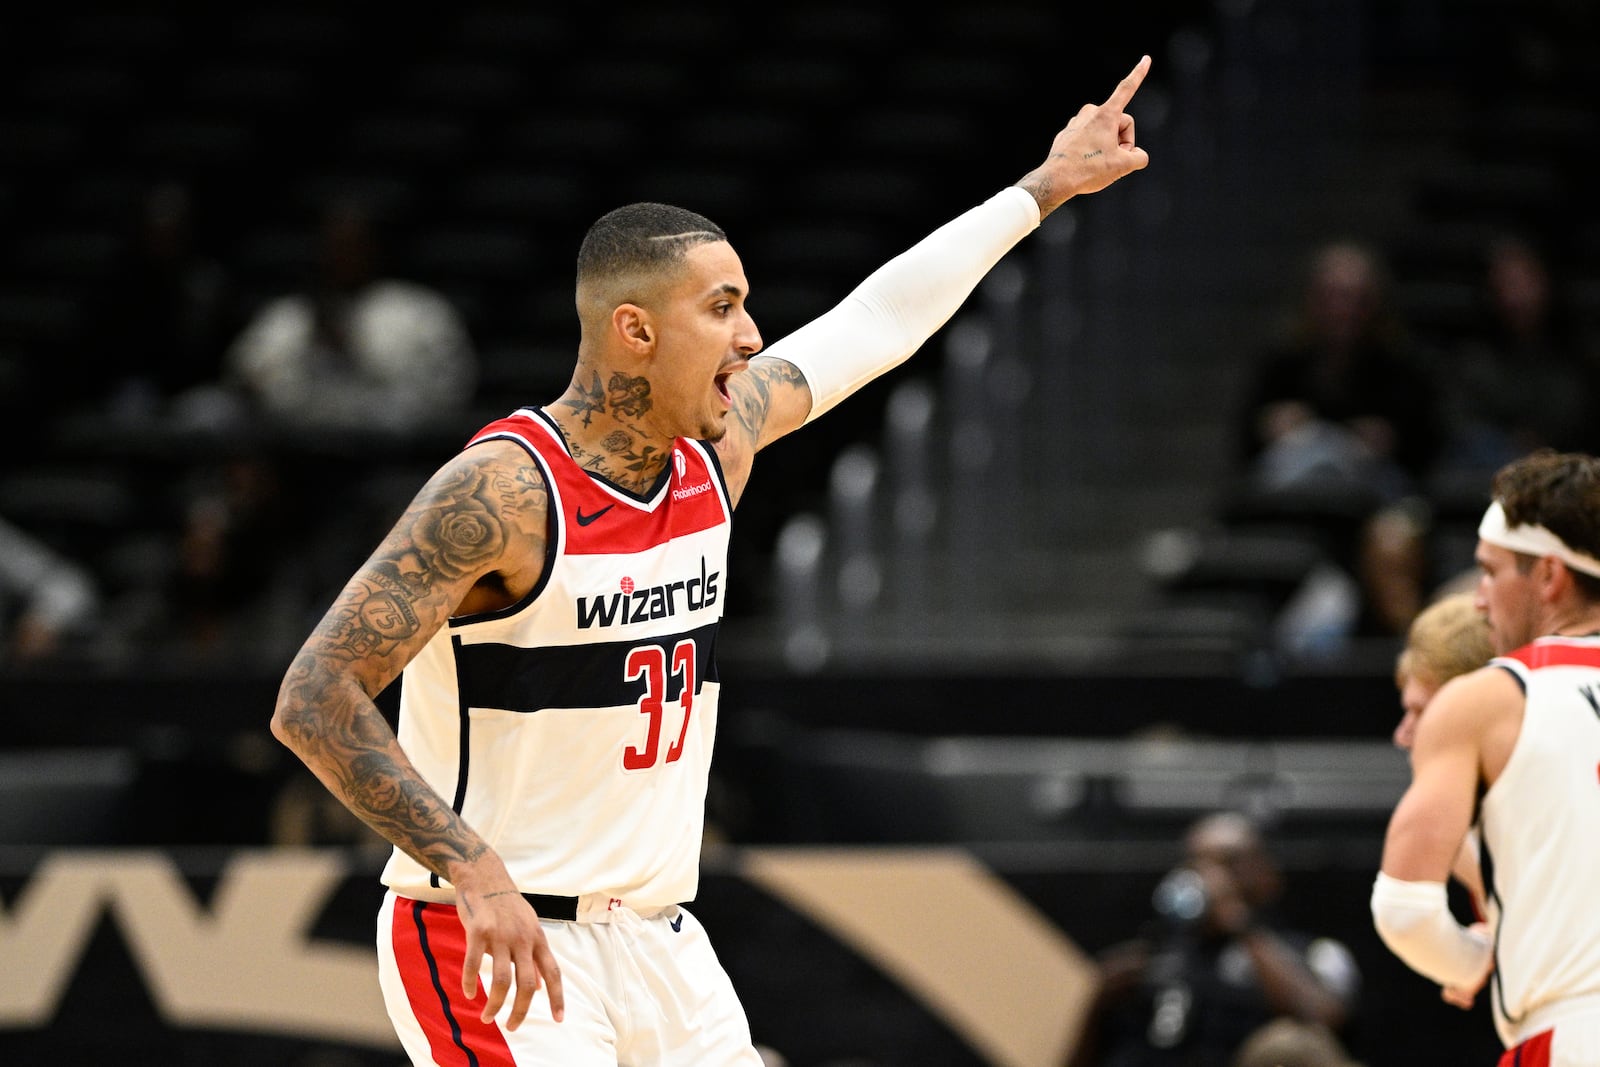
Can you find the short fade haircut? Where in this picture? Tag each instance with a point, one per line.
(1561, 492)
(643, 239)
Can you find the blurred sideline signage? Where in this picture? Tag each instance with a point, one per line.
(246, 962)
(252, 955)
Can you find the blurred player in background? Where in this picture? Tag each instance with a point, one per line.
(1447, 638)
(1516, 745)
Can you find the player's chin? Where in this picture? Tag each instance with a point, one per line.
(715, 427)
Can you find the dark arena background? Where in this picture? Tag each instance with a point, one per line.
(998, 630)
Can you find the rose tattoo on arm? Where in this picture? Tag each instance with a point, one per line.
(454, 533)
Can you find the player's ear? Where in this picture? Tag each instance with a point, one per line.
(1554, 576)
(634, 328)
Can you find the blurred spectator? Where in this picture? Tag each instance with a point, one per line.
(232, 592)
(1216, 964)
(1523, 378)
(45, 599)
(162, 320)
(356, 350)
(1343, 398)
(1338, 429)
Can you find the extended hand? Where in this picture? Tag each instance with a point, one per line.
(1095, 149)
(502, 925)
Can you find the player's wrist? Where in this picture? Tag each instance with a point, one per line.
(479, 874)
(1046, 192)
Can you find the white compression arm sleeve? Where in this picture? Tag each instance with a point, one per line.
(1414, 920)
(888, 316)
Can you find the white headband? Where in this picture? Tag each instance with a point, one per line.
(1533, 540)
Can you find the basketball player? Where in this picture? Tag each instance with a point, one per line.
(1449, 637)
(1522, 733)
(553, 595)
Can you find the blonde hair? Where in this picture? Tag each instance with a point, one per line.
(1447, 638)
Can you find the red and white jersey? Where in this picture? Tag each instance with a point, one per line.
(574, 729)
(1541, 842)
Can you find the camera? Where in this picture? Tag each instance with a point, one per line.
(1180, 897)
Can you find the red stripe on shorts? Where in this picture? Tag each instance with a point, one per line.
(1534, 1052)
(429, 947)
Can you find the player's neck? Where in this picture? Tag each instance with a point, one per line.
(1582, 621)
(623, 449)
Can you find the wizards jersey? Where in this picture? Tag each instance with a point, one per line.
(573, 730)
(1541, 841)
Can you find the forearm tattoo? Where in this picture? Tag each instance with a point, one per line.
(460, 524)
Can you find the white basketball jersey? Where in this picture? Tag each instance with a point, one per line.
(1541, 836)
(574, 729)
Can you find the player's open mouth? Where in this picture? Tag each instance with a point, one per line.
(722, 386)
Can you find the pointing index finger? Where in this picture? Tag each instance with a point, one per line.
(1128, 86)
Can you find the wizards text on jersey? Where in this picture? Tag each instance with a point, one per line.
(630, 605)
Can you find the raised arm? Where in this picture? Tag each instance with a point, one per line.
(459, 546)
(891, 314)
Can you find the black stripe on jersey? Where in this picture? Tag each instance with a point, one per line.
(709, 450)
(513, 678)
(463, 751)
(464, 742)
(1522, 683)
(1491, 894)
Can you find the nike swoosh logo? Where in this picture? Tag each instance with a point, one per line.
(584, 520)
(676, 924)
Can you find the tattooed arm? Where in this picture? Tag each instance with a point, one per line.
(473, 539)
(770, 399)
(472, 525)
